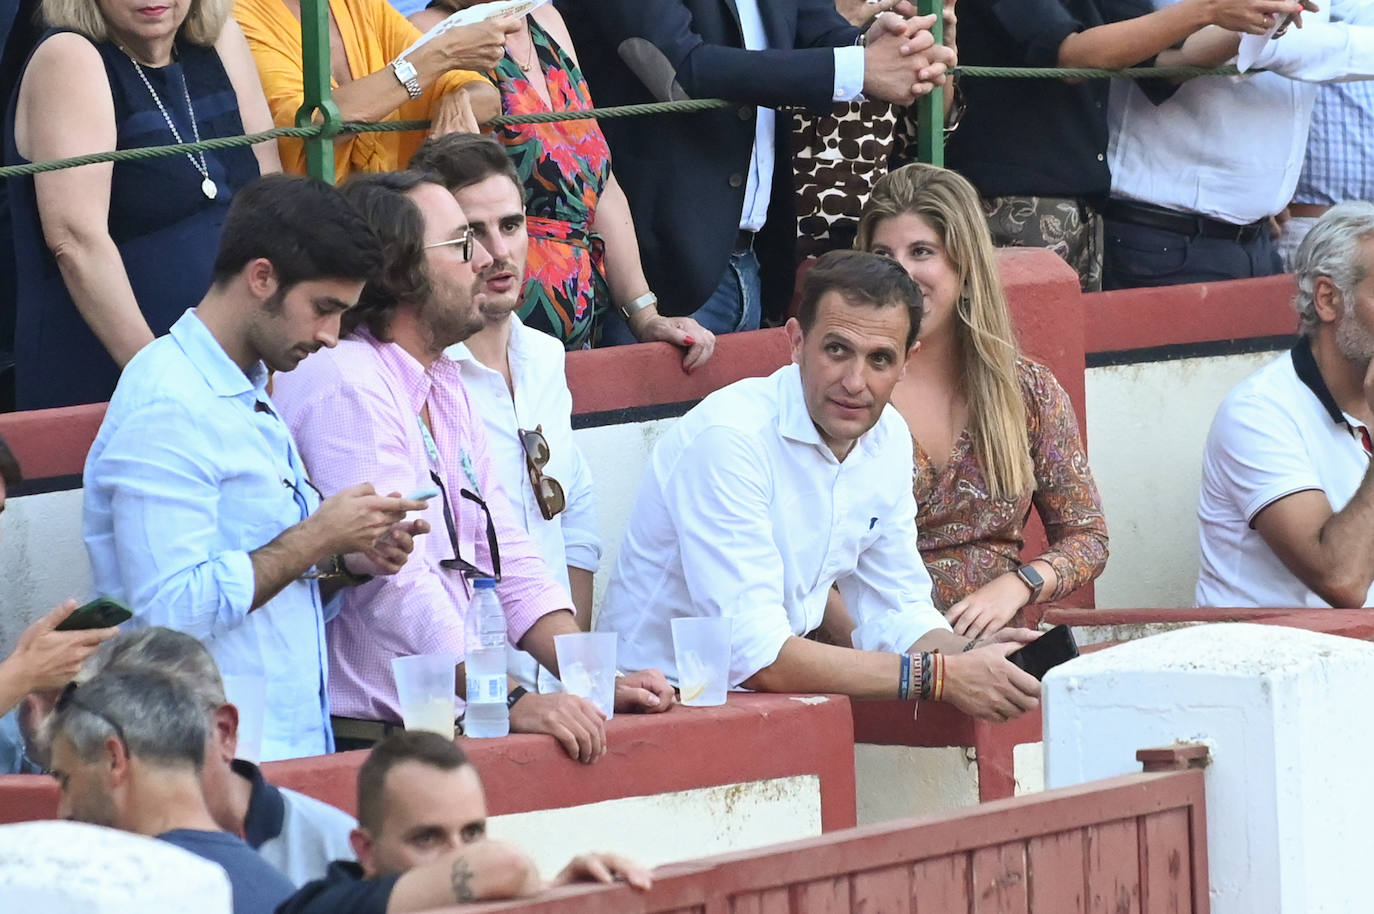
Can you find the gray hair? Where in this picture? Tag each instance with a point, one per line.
(1330, 249)
(169, 652)
(157, 718)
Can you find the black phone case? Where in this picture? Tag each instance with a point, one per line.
(1046, 652)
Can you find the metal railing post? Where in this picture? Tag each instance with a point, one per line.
(318, 106)
(930, 109)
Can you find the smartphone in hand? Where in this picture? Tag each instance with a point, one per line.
(1046, 652)
(102, 612)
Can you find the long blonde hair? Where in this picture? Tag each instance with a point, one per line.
(204, 21)
(983, 333)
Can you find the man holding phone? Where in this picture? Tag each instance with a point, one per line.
(198, 511)
(388, 405)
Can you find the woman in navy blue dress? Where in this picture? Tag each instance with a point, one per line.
(109, 256)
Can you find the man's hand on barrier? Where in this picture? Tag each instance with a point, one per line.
(643, 692)
(901, 60)
(574, 722)
(606, 868)
(983, 683)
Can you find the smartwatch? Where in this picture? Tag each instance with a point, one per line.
(515, 695)
(407, 76)
(1032, 579)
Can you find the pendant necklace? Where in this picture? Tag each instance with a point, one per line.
(533, 55)
(207, 186)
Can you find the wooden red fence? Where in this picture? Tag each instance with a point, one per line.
(1130, 845)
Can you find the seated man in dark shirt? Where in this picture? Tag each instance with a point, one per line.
(127, 750)
(421, 840)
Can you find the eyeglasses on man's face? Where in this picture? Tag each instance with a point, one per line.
(548, 492)
(464, 242)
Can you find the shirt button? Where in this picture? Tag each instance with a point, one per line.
(1099, 157)
(745, 113)
(737, 180)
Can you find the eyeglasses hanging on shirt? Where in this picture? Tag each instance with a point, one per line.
(548, 492)
(458, 563)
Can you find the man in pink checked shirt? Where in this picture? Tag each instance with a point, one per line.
(388, 406)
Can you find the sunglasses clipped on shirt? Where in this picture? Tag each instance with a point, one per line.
(548, 492)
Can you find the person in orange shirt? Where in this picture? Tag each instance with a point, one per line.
(373, 81)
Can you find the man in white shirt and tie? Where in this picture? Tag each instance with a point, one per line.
(773, 489)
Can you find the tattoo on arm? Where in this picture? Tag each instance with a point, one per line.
(460, 876)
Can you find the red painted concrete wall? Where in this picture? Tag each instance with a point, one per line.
(648, 754)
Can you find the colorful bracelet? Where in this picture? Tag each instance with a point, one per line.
(927, 676)
(904, 687)
(939, 689)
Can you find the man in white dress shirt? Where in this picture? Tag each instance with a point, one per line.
(773, 489)
(515, 377)
(1198, 169)
(1287, 502)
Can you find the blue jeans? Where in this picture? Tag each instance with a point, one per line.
(735, 305)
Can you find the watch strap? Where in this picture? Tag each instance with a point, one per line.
(1032, 579)
(515, 695)
(407, 76)
(636, 305)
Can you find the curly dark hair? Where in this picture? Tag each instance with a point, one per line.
(397, 221)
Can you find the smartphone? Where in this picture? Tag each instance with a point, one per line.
(1046, 652)
(102, 612)
(423, 494)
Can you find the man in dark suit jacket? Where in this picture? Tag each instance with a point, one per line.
(700, 185)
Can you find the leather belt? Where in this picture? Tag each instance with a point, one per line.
(1308, 210)
(1187, 224)
(743, 241)
(353, 728)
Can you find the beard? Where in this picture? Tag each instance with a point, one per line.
(1354, 340)
(452, 313)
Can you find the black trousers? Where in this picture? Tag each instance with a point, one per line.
(1137, 255)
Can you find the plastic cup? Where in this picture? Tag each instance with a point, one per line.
(701, 647)
(424, 688)
(249, 695)
(586, 665)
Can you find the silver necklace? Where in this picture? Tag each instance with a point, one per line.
(207, 186)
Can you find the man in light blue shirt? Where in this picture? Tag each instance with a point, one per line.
(198, 512)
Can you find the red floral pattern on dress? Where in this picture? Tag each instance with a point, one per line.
(564, 166)
(967, 538)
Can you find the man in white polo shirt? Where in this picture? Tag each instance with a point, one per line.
(1287, 503)
(773, 489)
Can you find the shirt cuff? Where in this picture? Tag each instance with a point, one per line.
(586, 556)
(849, 73)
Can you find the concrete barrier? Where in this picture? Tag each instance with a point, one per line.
(1289, 798)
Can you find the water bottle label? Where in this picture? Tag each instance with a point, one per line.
(486, 688)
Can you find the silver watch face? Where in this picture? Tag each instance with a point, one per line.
(405, 70)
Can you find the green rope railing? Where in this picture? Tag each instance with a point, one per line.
(677, 107)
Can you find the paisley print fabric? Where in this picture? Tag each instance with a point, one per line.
(1067, 226)
(967, 538)
(564, 167)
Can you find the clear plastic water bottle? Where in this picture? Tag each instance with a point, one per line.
(485, 625)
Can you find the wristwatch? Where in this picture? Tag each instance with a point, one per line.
(515, 695)
(1032, 579)
(407, 76)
